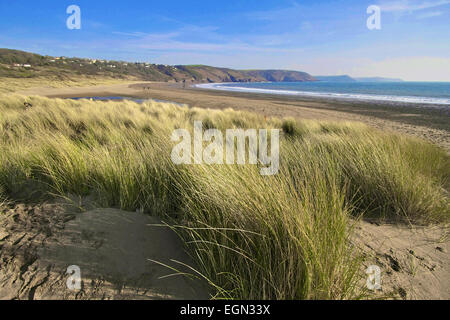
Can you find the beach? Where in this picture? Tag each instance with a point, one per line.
(428, 123)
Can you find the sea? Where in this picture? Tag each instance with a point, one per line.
(429, 93)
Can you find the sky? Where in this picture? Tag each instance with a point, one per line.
(319, 37)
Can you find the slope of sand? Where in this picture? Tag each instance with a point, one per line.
(414, 261)
(432, 124)
(112, 248)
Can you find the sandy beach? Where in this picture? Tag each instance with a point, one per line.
(420, 121)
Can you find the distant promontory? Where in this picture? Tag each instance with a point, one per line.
(347, 78)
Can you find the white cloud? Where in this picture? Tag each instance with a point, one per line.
(206, 40)
(156, 36)
(430, 15)
(410, 5)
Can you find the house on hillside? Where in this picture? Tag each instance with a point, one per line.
(22, 65)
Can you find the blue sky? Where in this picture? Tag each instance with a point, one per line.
(319, 37)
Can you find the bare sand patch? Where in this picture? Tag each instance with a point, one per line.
(111, 247)
(414, 260)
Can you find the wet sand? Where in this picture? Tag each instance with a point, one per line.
(425, 122)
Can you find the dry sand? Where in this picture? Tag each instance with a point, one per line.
(111, 247)
(414, 260)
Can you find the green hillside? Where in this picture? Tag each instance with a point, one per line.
(20, 64)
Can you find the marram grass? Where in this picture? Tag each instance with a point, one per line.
(10, 85)
(252, 237)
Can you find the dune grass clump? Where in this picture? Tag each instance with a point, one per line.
(290, 128)
(253, 237)
(396, 178)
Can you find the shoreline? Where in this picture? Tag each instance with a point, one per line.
(431, 124)
(424, 102)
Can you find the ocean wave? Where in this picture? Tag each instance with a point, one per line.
(333, 95)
